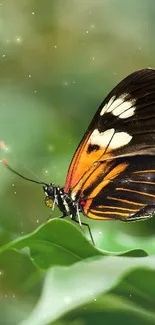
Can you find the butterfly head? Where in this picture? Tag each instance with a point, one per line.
(49, 190)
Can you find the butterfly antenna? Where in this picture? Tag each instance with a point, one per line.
(5, 163)
(34, 174)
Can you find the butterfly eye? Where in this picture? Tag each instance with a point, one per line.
(49, 202)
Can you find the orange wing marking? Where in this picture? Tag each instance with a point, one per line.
(110, 212)
(93, 216)
(125, 201)
(109, 177)
(117, 208)
(142, 182)
(88, 178)
(93, 175)
(133, 191)
(144, 171)
(74, 163)
(83, 161)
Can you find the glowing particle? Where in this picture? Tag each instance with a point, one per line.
(50, 148)
(93, 58)
(3, 55)
(45, 315)
(55, 46)
(37, 220)
(35, 91)
(29, 75)
(13, 184)
(15, 193)
(33, 12)
(67, 300)
(18, 39)
(87, 31)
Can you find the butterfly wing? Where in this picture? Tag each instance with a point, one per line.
(124, 196)
(120, 138)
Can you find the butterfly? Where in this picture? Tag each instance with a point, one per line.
(112, 173)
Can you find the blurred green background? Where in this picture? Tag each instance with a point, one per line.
(58, 60)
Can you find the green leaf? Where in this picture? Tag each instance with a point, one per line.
(19, 286)
(67, 288)
(58, 242)
(17, 273)
(110, 309)
(118, 236)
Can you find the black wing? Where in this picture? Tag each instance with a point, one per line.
(121, 181)
(123, 125)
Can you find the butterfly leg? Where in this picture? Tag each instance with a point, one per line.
(83, 224)
(89, 230)
(143, 214)
(77, 219)
(90, 233)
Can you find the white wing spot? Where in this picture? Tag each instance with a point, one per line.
(115, 106)
(128, 113)
(107, 105)
(119, 107)
(110, 138)
(122, 107)
(101, 138)
(120, 139)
